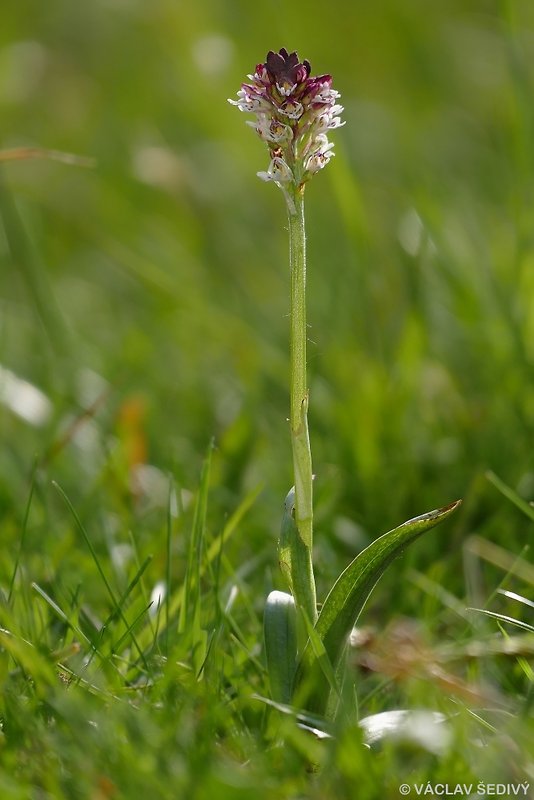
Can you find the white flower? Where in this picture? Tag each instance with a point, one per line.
(271, 130)
(278, 171)
(320, 157)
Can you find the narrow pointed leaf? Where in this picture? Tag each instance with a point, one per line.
(349, 594)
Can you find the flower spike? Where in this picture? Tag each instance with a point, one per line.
(293, 113)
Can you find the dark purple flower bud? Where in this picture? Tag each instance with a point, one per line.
(284, 68)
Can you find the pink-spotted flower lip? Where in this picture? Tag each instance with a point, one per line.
(294, 112)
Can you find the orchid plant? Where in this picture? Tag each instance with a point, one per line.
(294, 112)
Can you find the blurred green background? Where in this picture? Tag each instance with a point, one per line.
(147, 297)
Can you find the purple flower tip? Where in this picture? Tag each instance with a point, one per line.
(285, 68)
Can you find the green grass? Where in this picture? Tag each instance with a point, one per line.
(147, 299)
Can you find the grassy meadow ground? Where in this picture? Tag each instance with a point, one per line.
(143, 315)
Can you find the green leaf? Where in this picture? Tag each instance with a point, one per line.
(349, 594)
(280, 631)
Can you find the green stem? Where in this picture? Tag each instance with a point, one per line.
(300, 440)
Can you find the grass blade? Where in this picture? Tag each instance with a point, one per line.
(22, 537)
(118, 608)
(25, 153)
(503, 618)
(25, 261)
(509, 493)
(190, 621)
(191, 598)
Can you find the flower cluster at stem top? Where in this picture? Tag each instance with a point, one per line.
(294, 113)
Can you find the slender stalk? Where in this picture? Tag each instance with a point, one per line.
(300, 440)
(294, 110)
